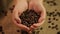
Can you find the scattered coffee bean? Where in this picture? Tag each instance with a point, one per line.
(47, 13)
(49, 18)
(50, 13)
(58, 32)
(3, 12)
(52, 23)
(54, 4)
(53, 27)
(58, 13)
(23, 32)
(48, 2)
(37, 32)
(3, 33)
(56, 28)
(56, 19)
(18, 30)
(55, 9)
(12, 8)
(1, 29)
(53, 12)
(49, 21)
(54, 15)
(33, 32)
(41, 28)
(49, 26)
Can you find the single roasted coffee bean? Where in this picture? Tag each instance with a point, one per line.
(58, 32)
(29, 17)
(1, 29)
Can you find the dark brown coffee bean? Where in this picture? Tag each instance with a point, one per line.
(54, 18)
(18, 30)
(1, 29)
(58, 32)
(33, 32)
(49, 26)
(52, 23)
(37, 32)
(41, 28)
(12, 8)
(58, 13)
(23, 32)
(49, 21)
(3, 33)
(49, 18)
(57, 19)
(56, 28)
(54, 4)
(48, 2)
(3, 12)
(53, 27)
(55, 9)
(54, 15)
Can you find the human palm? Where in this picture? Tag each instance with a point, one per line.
(20, 7)
(37, 5)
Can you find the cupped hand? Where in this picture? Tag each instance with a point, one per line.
(37, 5)
(20, 7)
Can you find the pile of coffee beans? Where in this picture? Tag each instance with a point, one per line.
(29, 17)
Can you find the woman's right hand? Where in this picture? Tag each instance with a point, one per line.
(20, 6)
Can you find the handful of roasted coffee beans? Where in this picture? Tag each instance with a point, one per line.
(29, 17)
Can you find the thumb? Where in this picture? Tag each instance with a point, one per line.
(16, 15)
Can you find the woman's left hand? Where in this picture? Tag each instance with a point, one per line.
(37, 5)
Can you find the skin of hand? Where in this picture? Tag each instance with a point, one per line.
(37, 5)
(21, 5)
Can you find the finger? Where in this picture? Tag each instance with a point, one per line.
(43, 15)
(21, 6)
(15, 12)
(18, 20)
(40, 19)
(38, 24)
(30, 32)
(16, 16)
(31, 5)
(21, 26)
(35, 25)
(32, 28)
